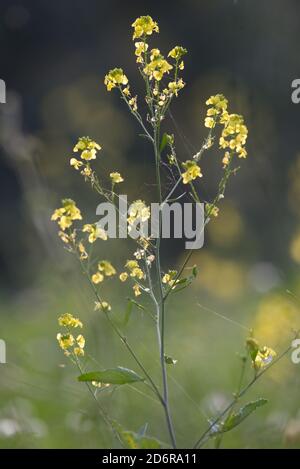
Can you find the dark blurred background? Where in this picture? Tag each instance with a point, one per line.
(54, 56)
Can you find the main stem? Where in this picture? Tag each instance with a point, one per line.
(160, 304)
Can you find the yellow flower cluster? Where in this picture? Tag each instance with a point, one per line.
(192, 171)
(260, 356)
(141, 48)
(114, 78)
(88, 149)
(234, 133)
(144, 26)
(177, 53)
(105, 269)
(67, 340)
(95, 232)
(157, 66)
(169, 278)
(66, 214)
(134, 269)
(138, 211)
(116, 178)
(68, 320)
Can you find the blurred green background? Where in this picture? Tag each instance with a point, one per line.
(54, 56)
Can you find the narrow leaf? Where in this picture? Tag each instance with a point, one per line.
(236, 418)
(117, 375)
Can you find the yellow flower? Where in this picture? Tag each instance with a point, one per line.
(175, 86)
(134, 269)
(95, 232)
(80, 341)
(75, 163)
(177, 52)
(107, 268)
(140, 49)
(68, 320)
(88, 150)
(115, 77)
(138, 210)
(209, 122)
(126, 91)
(264, 357)
(65, 340)
(169, 278)
(78, 351)
(123, 276)
(133, 103)
(97, 278)
(116, 178)
(66, 214)
(82, 251)
(192, 171)
(136, 289)
(261, 357)
(144, 25)
(218, 101)
(103, 306)
(158, 66)
(212, 210)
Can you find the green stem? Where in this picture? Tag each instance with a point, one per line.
(160, 304)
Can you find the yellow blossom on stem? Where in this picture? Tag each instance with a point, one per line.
(103, 306)
(107, 268)
(68, 320)
(115, 77)
(66, 214)
(136, 289)
(264, 357)
(65, 340)
(144, 25)
(123, 276)
(133, 103)
(138, 210)
(97, 278)
(158, 66)
(95, 232)
(140, 49)
(134, 269)
(177, 52)
(82, 251)
(192, 172)
(76, 163)
(169, 278)
(116, 178)
(175, 86)
(88, 150)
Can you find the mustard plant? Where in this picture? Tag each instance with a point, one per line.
(163, 79)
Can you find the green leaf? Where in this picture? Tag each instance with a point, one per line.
(128, 312)
(117, 375)
(165, 140)
(132, 440)
(236, 418)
